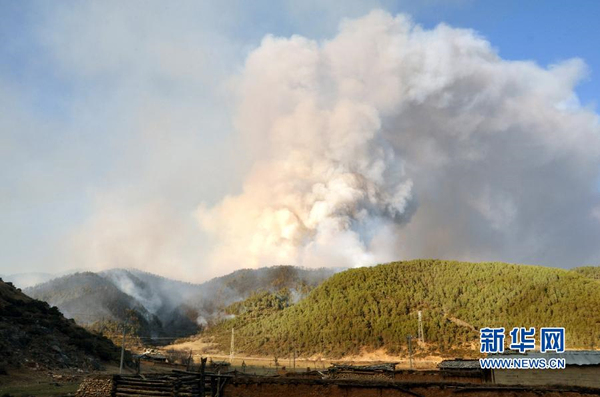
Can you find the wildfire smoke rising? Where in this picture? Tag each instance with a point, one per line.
(390, 141)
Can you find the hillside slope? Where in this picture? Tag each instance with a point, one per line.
(376, 307)
(33, 334)
(84, 296)
(592, 272)
(220, 292)
(161, 306)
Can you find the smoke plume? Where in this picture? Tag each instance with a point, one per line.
(391, 141)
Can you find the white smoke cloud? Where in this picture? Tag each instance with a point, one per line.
(390, 141)
(387, 141)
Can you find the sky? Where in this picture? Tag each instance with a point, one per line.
(159, 135)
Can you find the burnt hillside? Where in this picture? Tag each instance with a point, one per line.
(161, 306)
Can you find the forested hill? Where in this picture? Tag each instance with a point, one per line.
(376, 307)
(163, 307)
(592, 272)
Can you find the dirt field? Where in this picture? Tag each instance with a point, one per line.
(299, 386)
(274, 387)
(257, 364)
(28, 382)
(39, 383)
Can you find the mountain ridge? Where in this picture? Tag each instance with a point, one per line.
(163, 307)
(376, 307)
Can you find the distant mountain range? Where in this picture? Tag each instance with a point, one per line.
(332, 312)
(163, 307)
(29, 279)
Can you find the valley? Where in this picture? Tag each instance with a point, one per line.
(294, 321)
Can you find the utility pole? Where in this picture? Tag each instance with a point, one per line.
(202, 375)
(232, 346)
(189, 361)
(122, 350)
(421, 337)
(410, 363)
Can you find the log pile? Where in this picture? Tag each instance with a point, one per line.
(97, 386)
(166, 385)
(178, 383)
(374, 372)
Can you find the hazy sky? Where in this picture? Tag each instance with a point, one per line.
(143, 134)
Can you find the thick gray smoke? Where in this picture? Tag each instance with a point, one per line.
(390, 141)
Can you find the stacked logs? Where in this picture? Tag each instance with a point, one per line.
(127, 386)
(97, 386)
(178, 383)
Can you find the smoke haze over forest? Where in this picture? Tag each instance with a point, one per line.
(157, 138)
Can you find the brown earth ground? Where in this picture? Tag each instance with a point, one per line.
(28, 382)
(32, 382)
(273, 387)
(202, 348)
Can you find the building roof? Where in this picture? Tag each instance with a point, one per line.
(375, 367)
(459, 364)
(572, 357)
